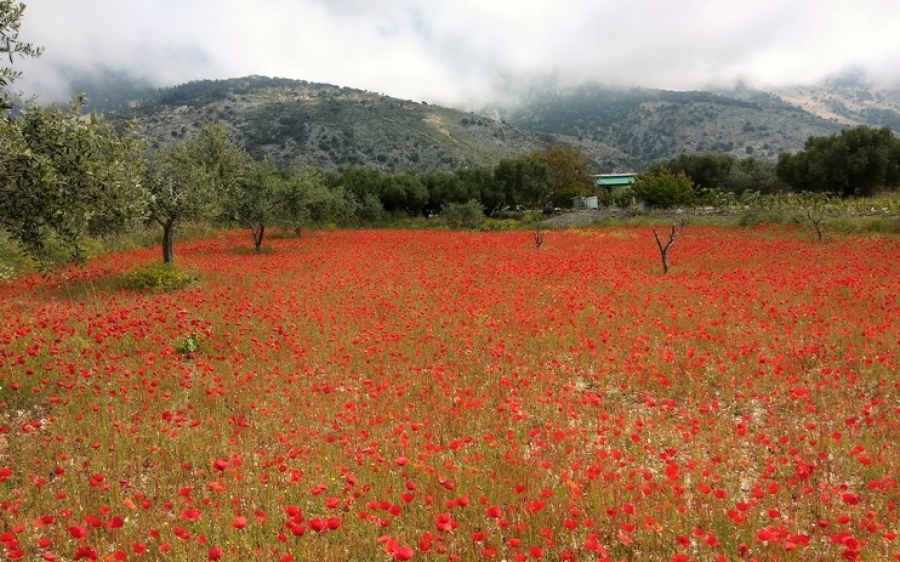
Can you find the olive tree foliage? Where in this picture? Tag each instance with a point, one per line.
(179, 190)
(750, 174)
(706, 170)
(404, 193)
(65, 177)
(857, 162)
(463, 216)
(254, 202)
(11, 47)
(357, 190)
(370, 210)
(568, 174)
(295, 198)
(521, 181)
(310, 199)
(663, 189)
(723, 173)
(326, 204)
(453, 187)
(189, 180)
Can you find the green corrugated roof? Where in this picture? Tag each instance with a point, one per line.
(614, 180)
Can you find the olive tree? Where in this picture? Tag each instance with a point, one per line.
(309, 199)
(663, 189)
(463, 216)
(524, 181)
(63, 176)
(858, 161)
(66, 177)
(568, 174)
(255, 201)
(705, 170)
(664, 248)
(188, 181)
(11, 46)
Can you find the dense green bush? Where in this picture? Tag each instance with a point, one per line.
(158, 277)
(706, 170)
(370, 209)
(460, 216)
(663, 190)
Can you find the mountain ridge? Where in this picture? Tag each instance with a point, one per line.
(306, 123)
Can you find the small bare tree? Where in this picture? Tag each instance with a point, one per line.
(538, 236)
(664, 248)
(816, 206)
(818, 222)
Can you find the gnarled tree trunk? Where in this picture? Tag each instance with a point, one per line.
(258, 234)
(168, 243)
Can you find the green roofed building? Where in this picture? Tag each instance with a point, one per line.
(614, 181)
(607, 183)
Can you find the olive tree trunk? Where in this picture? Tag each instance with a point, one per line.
(168, 242)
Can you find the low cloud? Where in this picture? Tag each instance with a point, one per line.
(460, 52)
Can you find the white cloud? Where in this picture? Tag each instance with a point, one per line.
(455, 50)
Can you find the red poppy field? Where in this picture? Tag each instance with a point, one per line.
(397, 395)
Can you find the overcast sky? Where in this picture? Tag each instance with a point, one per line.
(459, 52)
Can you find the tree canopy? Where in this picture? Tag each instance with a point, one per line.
(11, 47)
(706, 170)
(189, 181)
(255, 201)
(568, 174)
(66, 177)
(663, 189)
(855, 162)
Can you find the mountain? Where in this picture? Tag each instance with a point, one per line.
(106, 89)
(849, 104)
(654, 125)
(657, 125)
(298, 122)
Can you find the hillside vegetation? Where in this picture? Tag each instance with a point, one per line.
(305, 123)
(655, 125)
(302, 123)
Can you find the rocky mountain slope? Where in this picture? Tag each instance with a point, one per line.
(656, 125)
(848, 104)
(297, 122)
